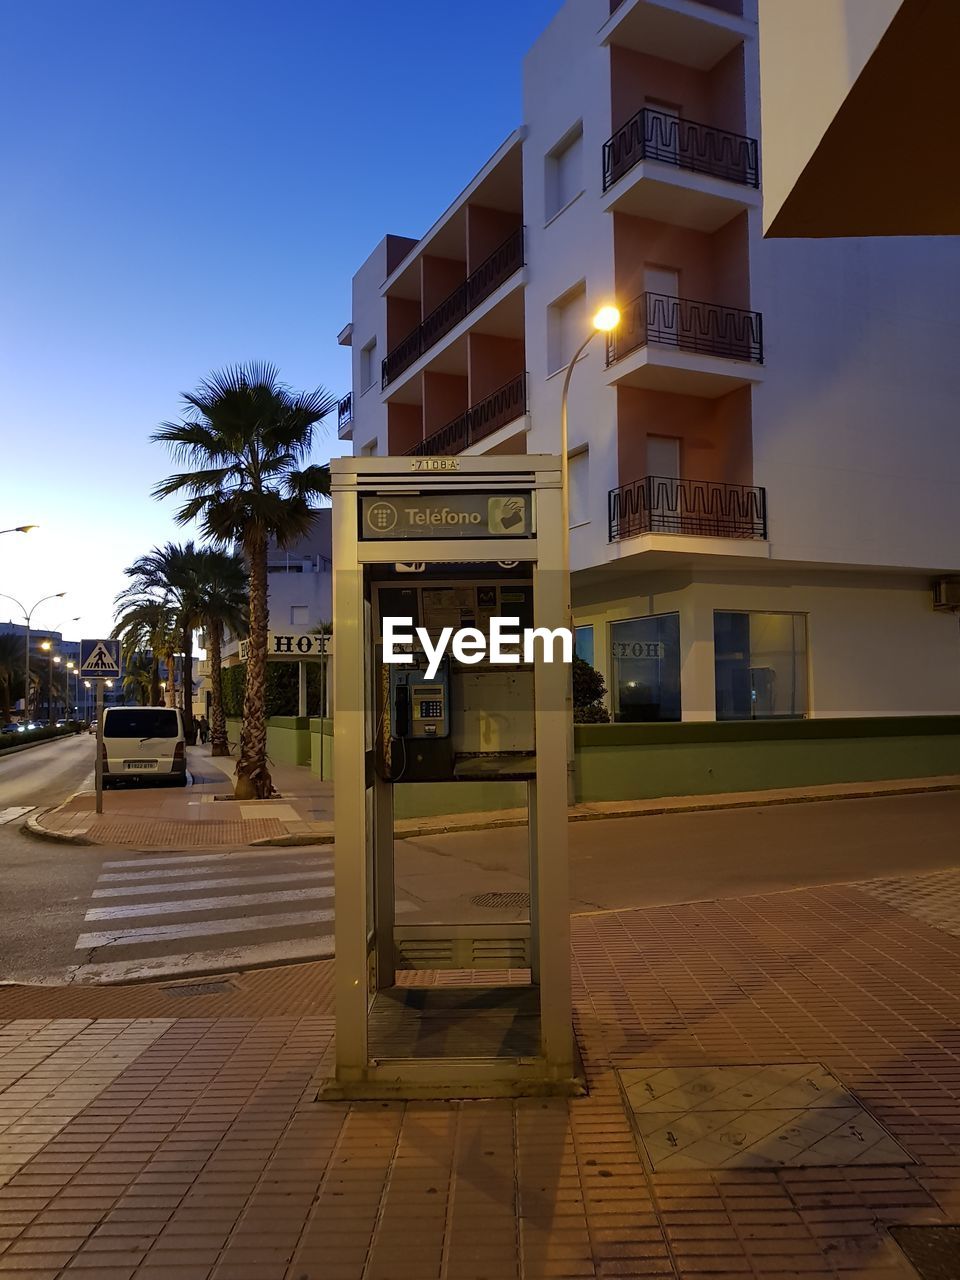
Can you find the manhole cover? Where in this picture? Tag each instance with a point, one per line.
(505, 901)
(199, 988)
(934, 1251)
(754, 1117)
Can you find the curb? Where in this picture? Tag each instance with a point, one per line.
(33, 828)
(42, 742)
(440, 827)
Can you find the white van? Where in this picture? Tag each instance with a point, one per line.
(144, 744)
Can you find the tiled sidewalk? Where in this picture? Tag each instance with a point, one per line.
(190, 1149)
(203, 816)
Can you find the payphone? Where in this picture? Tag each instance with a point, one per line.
(441, 566)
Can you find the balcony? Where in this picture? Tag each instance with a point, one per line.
(674, 344)
(701, 508)
(345, 412)
(670, 139)
(665, 167)
(479, 285)
(482, 419)
(694, 33)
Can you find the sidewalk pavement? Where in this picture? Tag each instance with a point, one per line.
(141, 1144)
(204, 815)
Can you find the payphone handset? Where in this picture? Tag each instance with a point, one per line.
(420, 708)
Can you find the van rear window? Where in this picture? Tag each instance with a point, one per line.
(151, 722)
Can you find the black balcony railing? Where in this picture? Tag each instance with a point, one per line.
(703, 327)
(658, 135)
(488, 277)
(704, 508)
(345, 411)
(481, 419)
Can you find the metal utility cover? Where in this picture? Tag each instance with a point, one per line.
(753, 1117)
(934, 1251)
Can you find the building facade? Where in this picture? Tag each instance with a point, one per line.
(764, 464)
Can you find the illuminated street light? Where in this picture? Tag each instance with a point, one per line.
(20, 528)
(27, 615)
(605, 320)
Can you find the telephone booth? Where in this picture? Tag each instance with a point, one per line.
(457, 1008)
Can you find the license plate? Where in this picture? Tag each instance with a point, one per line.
(139, 764)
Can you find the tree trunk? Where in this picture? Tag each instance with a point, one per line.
(170, 658)
(219, 745)
(155, 680)
(253, 776)
(189, 726)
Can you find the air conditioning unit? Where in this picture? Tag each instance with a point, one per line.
(946, 593)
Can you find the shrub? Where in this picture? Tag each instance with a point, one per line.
(588, 693)
(282, 691)
(8, 740)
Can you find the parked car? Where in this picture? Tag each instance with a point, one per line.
(144, 744)
(12, 727)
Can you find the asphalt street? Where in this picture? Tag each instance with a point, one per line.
(95, 914)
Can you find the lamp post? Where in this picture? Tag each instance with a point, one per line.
(27, 615)
(71, 671)
(47, 646)
(86, 700)
(604, 321)
(20, 528)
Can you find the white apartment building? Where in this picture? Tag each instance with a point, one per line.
(765, 456)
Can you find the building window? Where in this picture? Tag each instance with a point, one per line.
(761, 665)
(299, 615)
(579, 479)
(368, 365)
(646, 668)
(566, 326)
(563, 172)
(583, 643)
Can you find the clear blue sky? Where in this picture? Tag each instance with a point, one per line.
(193, 183)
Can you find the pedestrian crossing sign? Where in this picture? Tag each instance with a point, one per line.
(99, 659)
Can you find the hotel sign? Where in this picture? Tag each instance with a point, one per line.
(295, 646)
(446, 515)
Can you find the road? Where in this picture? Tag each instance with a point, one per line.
(72, 913)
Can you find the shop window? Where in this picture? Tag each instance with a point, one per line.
(645, 666)
(761, 665)
(583, 643)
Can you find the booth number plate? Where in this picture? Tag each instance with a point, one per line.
(435, 464)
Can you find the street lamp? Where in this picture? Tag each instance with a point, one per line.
(20, 528)
(47, 647)
(27, 615)
(604, 321)
(71, 670)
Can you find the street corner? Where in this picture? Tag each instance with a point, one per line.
(57, 825)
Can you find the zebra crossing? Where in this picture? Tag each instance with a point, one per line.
(151, 916)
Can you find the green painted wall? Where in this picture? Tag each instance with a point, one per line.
(644, 761)
(288, 739)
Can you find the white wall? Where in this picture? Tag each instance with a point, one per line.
(875, 644)
(369, 317)
(855, 427)
(566, 78)
(811, 53)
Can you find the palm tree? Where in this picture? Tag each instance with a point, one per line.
(245, 438)
(137, 678)
(223, 584)
(11, 672)
(146, 624)
(171, 573)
